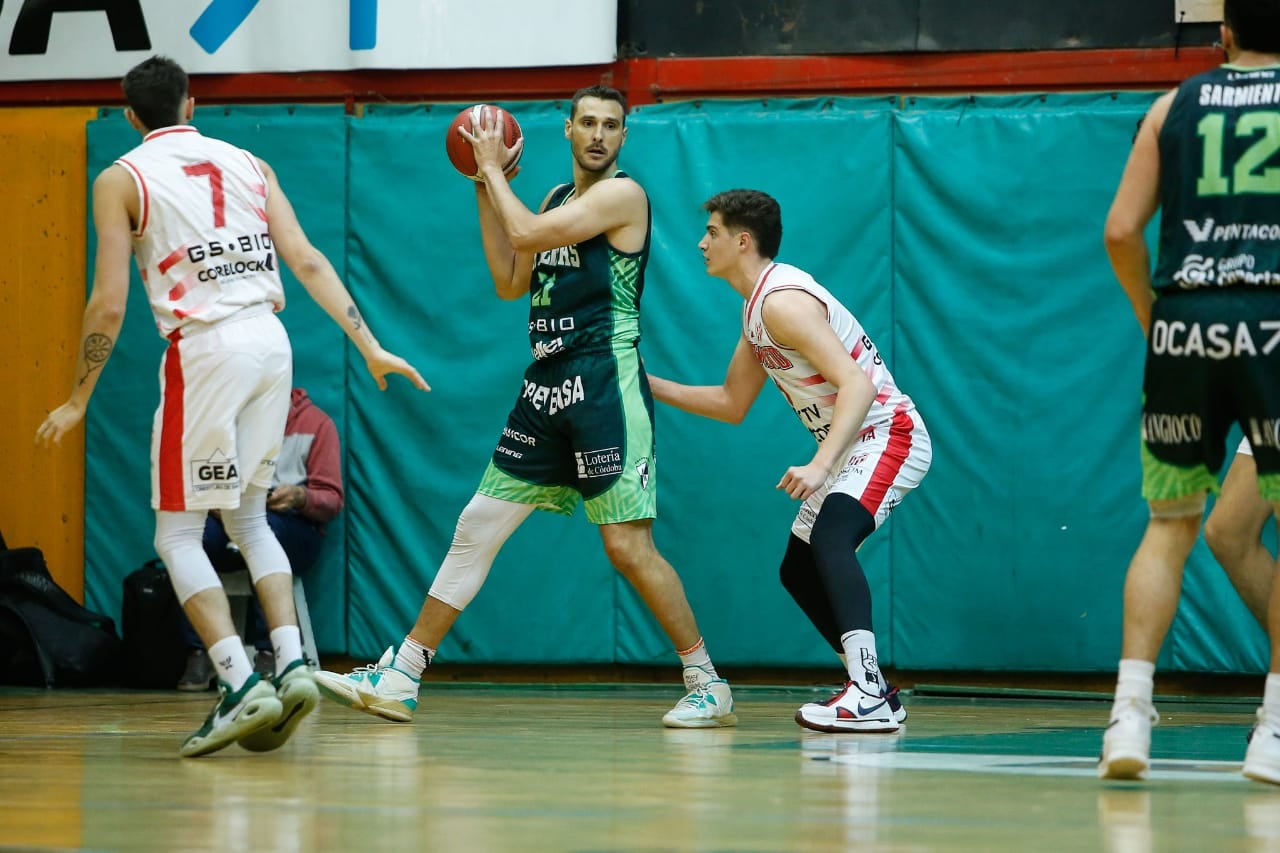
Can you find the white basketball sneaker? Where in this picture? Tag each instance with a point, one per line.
(1126, 745)
(853, 709)
(379, 689)
(1262, 758)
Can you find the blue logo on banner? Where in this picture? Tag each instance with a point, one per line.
(364, 24)
(221, 18)
(218, 21)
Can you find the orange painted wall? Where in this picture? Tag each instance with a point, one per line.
(42, 294)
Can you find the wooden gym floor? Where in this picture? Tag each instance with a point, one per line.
(588, 767)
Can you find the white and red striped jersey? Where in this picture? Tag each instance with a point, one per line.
(201, 242)
(807, 391)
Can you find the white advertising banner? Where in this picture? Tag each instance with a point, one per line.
(87, 39)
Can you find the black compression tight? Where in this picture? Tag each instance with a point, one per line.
(824, 576)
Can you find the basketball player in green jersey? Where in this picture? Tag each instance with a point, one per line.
(1207, 156)
(582, 424)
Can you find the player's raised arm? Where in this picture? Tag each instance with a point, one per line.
(619, 208)
(511, 269)
(604, 208)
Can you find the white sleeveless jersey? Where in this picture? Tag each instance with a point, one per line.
(807, 391)
(202, 245)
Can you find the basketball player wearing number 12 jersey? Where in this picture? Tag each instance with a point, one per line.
(1205, 156)
(206, 221)
(873, 447)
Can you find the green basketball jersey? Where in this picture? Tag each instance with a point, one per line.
(1220, 181)
(585, 298)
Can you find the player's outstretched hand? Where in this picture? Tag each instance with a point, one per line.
(60, 422)
(381, 363)
(801, 481)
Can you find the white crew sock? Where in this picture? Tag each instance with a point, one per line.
(230, 662)
(697, 658)
(286, 641)
(412, 658)
(861, 661)
(1135, 682)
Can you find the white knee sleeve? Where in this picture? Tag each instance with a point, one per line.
(485, 524)
(178, 542)
(247, 526)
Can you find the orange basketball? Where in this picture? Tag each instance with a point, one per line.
(459, 148)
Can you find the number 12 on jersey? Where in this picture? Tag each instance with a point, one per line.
(1249, 172)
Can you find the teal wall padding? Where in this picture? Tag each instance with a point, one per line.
(965, 234)
(306, 147)
(1024, 357)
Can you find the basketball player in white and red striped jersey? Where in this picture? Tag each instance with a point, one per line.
(873, 447)
(205, 221)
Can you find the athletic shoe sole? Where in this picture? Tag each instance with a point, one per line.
(863, 726)
(258, 714)
(386, 709)
(298, 697)
(1121, 766)
(715, 723)
(1262, 772)
(348, 696)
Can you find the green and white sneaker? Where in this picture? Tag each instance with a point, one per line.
(708, 705)
(298, 696)
(379, 689)
(234, 715)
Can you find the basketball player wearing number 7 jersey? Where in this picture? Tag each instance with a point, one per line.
(206, 222)
(873, 447)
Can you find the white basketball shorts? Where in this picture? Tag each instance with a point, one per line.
(224, 398)
(882, 465)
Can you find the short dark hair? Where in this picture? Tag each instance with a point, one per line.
(604, 93)
(1255, 24)
(156, 89)
(752, 211)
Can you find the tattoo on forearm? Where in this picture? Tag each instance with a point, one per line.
(356, 320)
(97, 349)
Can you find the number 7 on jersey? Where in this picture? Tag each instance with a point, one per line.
(214, 174)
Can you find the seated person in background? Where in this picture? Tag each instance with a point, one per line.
(306, 494)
